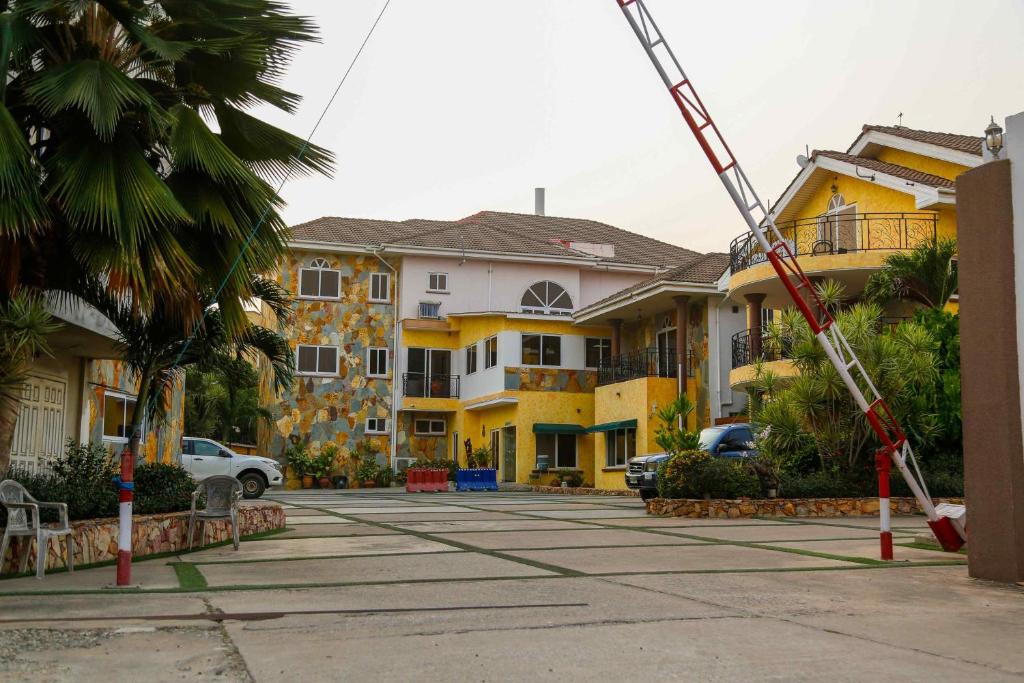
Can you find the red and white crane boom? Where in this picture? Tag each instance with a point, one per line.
(895, 447)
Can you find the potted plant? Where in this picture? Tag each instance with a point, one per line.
(322, 463)
(301, 464)
(367, 470)
(481, 458)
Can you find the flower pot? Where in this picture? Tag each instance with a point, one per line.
(369, 484)
(307, 481)
(325, 482)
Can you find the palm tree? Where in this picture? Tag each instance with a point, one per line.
(24, 326)
(112, 174)
(157, 349)
(925, 275)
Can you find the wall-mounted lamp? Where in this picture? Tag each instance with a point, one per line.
(994, 138)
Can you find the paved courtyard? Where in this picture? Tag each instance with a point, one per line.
(384, 585)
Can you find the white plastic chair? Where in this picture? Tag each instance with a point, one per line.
(18, 502)
(222, 495)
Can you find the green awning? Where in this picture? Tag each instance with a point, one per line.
(612, 426)
(552, 428)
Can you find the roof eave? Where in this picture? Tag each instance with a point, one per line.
(654, 289)
(927, 149)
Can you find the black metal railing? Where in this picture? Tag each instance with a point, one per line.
(839, 234)
(743, 350)
(637, 364)
(419, 385)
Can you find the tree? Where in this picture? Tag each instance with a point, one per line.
(223, 400)
(158, 349)
(672, 435)
(816, 405)
(24, 326)
(925, 275)
(112, 181)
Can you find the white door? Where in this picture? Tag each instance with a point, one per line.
(39, 433)
(206, 459)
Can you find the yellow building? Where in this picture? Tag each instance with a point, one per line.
(842, 215)
(503, 331)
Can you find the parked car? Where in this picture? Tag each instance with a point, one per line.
(204, 458)
(727, 441)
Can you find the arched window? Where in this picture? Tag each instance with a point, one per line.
(319, 263)
(547, 298)
(835, 202)
(319, 281)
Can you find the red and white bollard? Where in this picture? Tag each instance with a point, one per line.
(125, 494)
(882, 464)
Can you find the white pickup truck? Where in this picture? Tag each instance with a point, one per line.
(205, 458)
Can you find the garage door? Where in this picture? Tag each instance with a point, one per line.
(39, 434)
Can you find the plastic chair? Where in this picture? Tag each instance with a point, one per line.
(222, 495)
(18, 502)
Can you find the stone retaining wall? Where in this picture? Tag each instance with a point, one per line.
(95, 540)
(784, 507)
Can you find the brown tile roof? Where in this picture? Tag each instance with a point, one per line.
(702, 269)
(963, 143)
(887, 168)
(493, 231)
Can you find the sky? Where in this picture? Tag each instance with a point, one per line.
(457, 106)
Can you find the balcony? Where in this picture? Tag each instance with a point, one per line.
(419, 385)
(742, 352)
(640, 363)
(840, 234)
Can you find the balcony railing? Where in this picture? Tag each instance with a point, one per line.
(840, 234)
(637, 364)
(419, 385)
(742, 351)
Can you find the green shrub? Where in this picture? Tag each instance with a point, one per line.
(826, 485)
(695, 474)
(160, 487)
(572, 478)
(83, 478)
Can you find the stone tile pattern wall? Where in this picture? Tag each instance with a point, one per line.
(321, 410)
(95, 540)
(550, 379)
(783, 507)
(411, 445)
(163, 439)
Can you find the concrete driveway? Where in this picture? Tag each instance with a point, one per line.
(383, 585)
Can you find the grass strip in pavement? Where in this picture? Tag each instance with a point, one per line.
(306, 558)
(929, 546)
(189, 576)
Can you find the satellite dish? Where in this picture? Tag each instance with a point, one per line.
(802, 161)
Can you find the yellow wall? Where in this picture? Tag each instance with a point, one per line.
(943, 169)
(639, 400)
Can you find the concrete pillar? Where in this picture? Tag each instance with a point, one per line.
(682, 322)
(754, 302)
(990, 326)
(616, 324)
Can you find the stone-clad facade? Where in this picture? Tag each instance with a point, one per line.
(333, 408)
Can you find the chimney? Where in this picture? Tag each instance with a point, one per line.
(538, 201)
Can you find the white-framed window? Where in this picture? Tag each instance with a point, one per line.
(376, 425)
(377, 361)
(316, 360)
(117, 416)
(546, 298)
(490, 352)
(767, 316)
(471, 359)
(437, 282)
(597, 351)
(427, 427)
(431, 310)
(542, 349)
(560, 450)
(380, 288)
(619, 446)
(319, 281)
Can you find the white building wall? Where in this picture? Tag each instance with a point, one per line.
(731, 318)
(478, 285)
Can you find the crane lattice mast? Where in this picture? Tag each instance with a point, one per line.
(895, 448)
